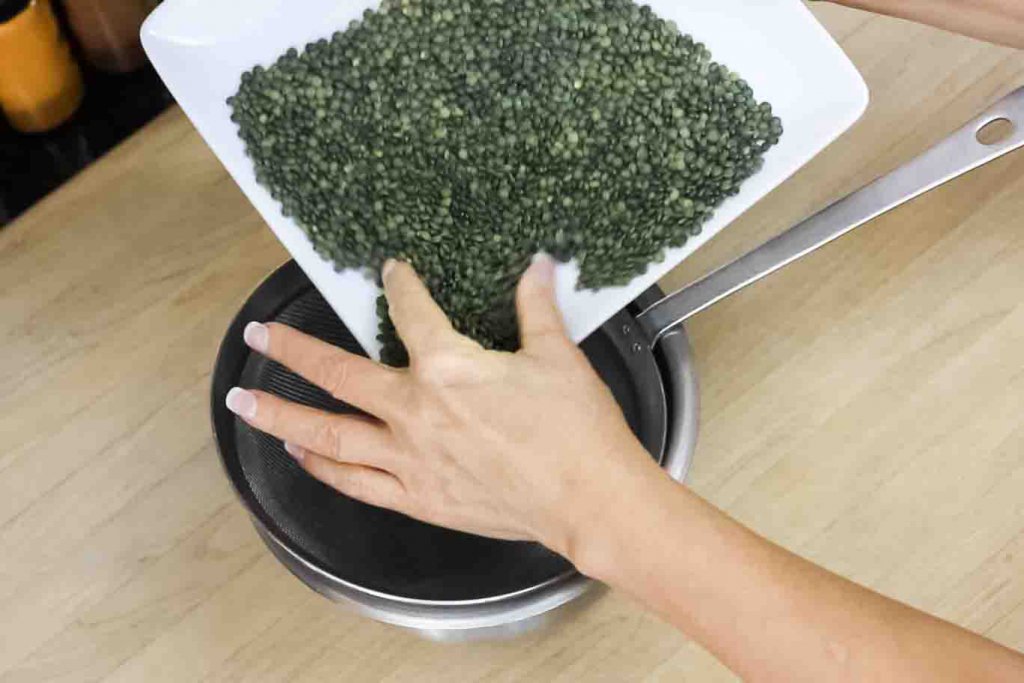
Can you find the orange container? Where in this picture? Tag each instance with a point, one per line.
(40, 83)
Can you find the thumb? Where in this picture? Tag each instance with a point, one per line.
(540, 321)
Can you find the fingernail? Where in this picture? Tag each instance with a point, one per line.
(388, 266)
(543, 267)
(294, 451)
(257, 336)
(242, 403)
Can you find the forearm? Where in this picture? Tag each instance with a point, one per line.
(766, 613)
(997, 21)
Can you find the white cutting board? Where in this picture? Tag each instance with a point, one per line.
(201, 47)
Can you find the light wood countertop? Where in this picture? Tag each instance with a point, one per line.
(864, 407)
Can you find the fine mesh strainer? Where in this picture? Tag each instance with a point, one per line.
(413, 574)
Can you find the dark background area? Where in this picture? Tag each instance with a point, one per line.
(115, 106)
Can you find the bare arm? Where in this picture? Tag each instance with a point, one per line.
(768, 614)
(997, 21)
(532, 446)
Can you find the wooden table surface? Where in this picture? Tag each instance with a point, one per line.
(864, 407)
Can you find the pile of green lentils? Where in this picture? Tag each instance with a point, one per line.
(466, 135)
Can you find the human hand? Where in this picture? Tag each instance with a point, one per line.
(532, 446)
(523, 446)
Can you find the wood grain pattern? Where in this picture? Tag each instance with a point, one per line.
(864, 407)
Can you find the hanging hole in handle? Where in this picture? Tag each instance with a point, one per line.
(995, 131)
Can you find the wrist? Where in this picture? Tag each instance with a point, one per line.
(612, 516)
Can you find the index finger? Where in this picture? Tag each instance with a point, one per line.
(420, 322)
(348, 377)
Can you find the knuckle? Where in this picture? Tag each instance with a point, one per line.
(333, 374)
(433, 367)
(328, 438)
(445, 361)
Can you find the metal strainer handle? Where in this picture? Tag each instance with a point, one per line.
(961, 152)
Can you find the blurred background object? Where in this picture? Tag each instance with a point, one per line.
(108, 32)
(40, 84)
(121, 91)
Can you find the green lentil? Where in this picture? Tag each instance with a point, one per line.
(467, 136)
